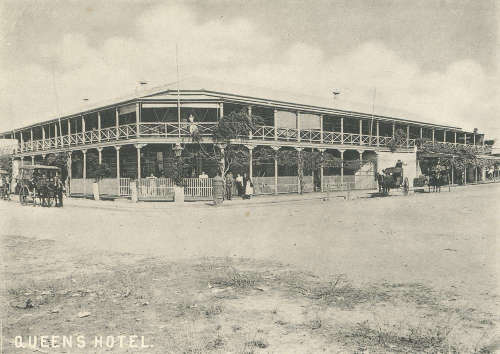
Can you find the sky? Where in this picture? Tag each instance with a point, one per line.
(430, 60)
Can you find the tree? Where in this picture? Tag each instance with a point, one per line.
(399, 140)
(60, 160)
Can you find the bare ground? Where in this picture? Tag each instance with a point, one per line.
(400, 274)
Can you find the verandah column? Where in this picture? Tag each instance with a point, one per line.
(361, 132)
(250, 160)
(321, 169)
(299, 168)
(341, 165)
(378, 134)
(139, 147)
(117, 122)
(321, 128)
(99, 151)
(297, 117)
(84, 172)
(276, 149)
(407, 136)
(99, 126)
(118, 168)
(275, 122)
(138, 118)
(433, 136)
(69, 166)
(31, 138)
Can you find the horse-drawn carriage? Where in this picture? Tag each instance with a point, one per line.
(4, 184)
(39, 182)
(392, 178)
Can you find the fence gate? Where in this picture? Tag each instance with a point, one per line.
(125, 187)
(198, 188)
(155, 189)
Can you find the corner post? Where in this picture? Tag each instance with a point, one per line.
(321, 128)
(276, 149)
(361, 132)
(275, 122)
(299, 169)
(138, 118)
(250, 159)
(249, 113)
(99, 126)
(99, 151)
(407, 136)
(117, 122)
(342, 165)
(117, 147)
(321, 170)
(297, 118)
(433, 136)
(84, 172)
(342, 130)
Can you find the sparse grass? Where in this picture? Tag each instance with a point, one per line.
(235, 279)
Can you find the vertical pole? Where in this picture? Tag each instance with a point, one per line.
(31, 138)
(393, 129)
(249, 113)
(32, 159)
(361, 132)
(275, 148)
(421, 133)
(118, 168)
(321, 128)
(275, 122)
(22, 140)
(299, 169)
(83, 123)
(70, 171)
(84, 172)
(474, 139)
(407, 136)
(433, 136)
(138, 147)
(465, 174)
(444, 136)
(55, 135)
(117, 122)
(297, 119)
(99, 151)
(452, 174)
(455, 138)
(250, 160)
(465, 138)
(342, 166)
(378, 134)
(99, 126)
(138, 118)
(43, 134)
(221, 110)
(342, 130)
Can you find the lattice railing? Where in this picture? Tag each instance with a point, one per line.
(207, 129)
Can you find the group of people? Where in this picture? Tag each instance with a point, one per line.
(244, 186)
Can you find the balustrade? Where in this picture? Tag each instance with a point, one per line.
(204, 129)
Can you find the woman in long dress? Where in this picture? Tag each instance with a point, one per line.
(248, 185)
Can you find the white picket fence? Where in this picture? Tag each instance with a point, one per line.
(198, 188)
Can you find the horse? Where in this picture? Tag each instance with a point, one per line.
(385, 183)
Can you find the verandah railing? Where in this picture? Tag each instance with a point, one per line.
(171, 129)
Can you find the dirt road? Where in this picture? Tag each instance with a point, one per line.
(446, 241)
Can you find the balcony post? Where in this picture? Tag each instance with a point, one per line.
(407, 136)
(378, 134)
(421, 133)
(99, 126)
(117, 122)
(361, 132)
(275, 122)
(249, 113)
(474, 139)
(455, 138)
(84, 172)
(321, 128)
(465, 138)
(276, 149)
(99, 151)
(433, 136)
(250, 159)
(55, 135)
(321, 170)
(138, 147)
(69, 166)
(43, 135)
(342, 130)
(118, 168)
(299, 151)
(297, 118)
(83, 124)
(32, 159)
(69, 131)
(342, 165)
(393, 129)
(31, 138)
(221, 110)
(444, 136)
(22, 140)
(138, 118)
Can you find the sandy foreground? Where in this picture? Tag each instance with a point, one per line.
(397, 274)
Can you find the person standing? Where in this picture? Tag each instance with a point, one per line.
(229, 186)
(59, 189)
(239, 184)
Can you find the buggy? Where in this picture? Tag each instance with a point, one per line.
(37, 182)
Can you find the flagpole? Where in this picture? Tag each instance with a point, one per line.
(373, 112)
(178, 91)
